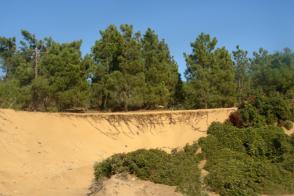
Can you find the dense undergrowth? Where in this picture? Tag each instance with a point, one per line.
(180, 168)
(248, 161)
(250, 154)
(261, 111)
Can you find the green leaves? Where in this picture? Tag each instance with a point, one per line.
(61, 81)
(248, 161)
(260, 111)
(177, 169)
(210, 75)
(129, 70)
(273, 73)
(133, 71)
(63, 67)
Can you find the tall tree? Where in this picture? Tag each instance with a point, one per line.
(242, 66)
(161, 71)
(53, 79)
(105, 54)
(7, 51)
(64, 75)
(210, 75)
(179, 96)
(133, 71)
(273, 73)
(119, 74)
(18, 67)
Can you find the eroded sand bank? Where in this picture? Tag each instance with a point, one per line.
(53, 153)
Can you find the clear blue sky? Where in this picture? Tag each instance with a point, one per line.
(249, 23)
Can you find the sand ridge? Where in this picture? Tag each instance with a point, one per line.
(54, 153)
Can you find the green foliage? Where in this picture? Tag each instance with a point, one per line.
(65, 73)
(119, 68)
(177, 169)
(7, 50)
(179, 95)
(250, 116)
(210, 75)
(161, 71)
(248, 161)
(242, 67)
(40, 91)
(12, 95)
(42, 74)
(132, 71)
(273, 73)
(127, 70)
(260, 111)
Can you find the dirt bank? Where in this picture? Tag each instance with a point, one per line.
(53, 153)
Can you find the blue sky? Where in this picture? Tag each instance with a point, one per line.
(250, 23)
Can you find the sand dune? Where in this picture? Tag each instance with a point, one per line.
(54, 153)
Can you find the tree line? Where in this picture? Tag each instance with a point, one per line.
(129, 70)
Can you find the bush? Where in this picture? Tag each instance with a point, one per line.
(177, 169)
(248, 161)
(261, 111)
(14, 96)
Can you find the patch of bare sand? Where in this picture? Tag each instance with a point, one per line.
(54, 153)
(289, 132)
(132, 186)
(203, 173)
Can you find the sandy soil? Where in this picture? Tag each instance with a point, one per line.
(53, 153)
(132, 186)
(289, 132)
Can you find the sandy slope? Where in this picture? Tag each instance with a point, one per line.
(53, 153)
(132, 186)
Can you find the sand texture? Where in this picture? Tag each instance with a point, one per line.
(46, 154)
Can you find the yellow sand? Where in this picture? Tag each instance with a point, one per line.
(132, 186)
(46, 154)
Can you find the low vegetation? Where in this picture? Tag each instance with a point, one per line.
(180, 168)
(248, 161)
(259, 111)
(250, 154)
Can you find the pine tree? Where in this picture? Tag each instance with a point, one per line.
(242, 66)
(161, 71)
(64, 75)
(119, 74)
(210, 75)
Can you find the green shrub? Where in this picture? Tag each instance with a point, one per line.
(261, 111)
(13, 96)
(177, 169)
(250, 116)
(248, 161)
